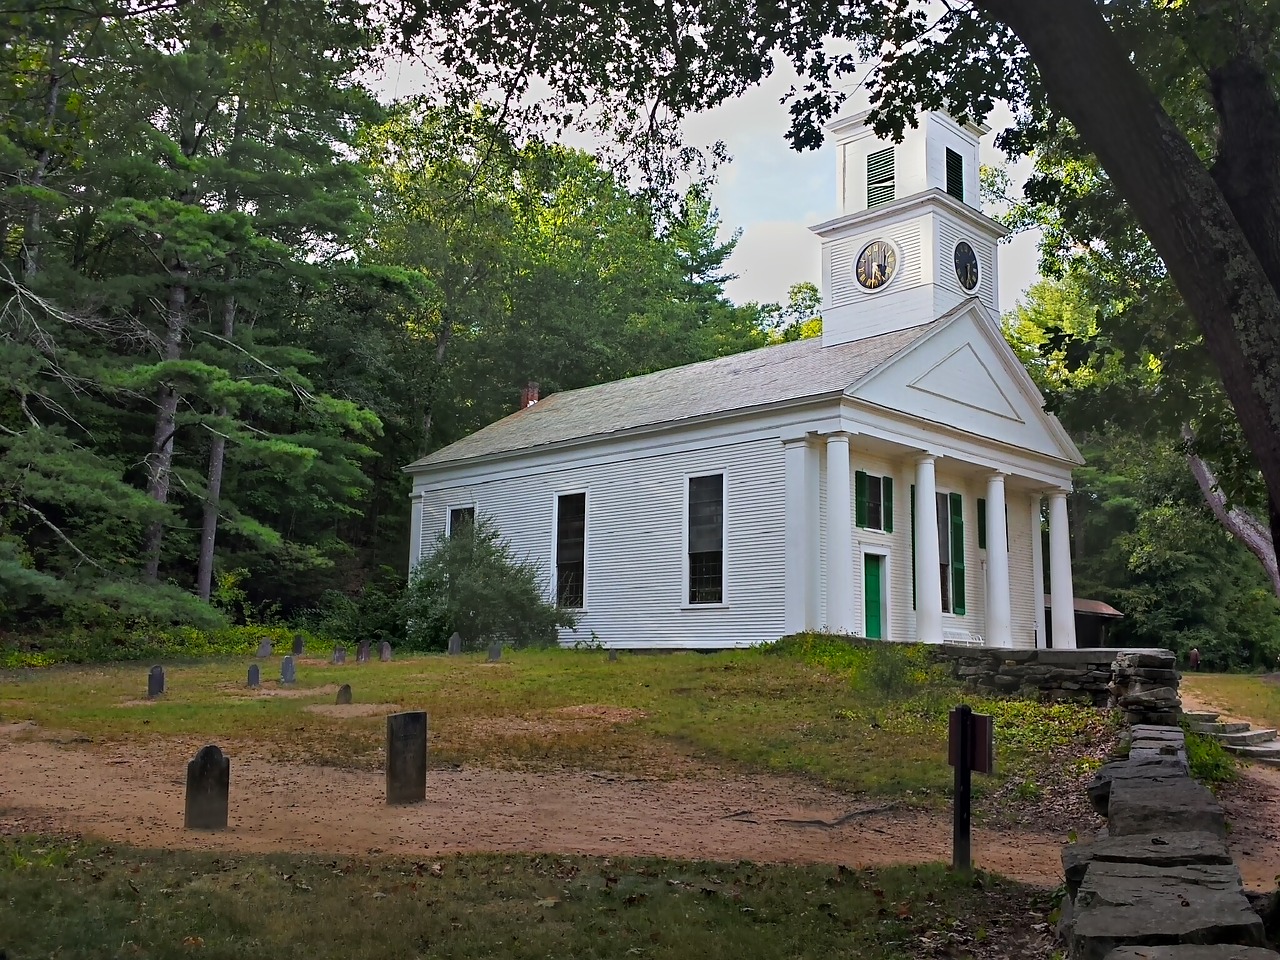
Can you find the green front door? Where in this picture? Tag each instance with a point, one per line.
(873, 576)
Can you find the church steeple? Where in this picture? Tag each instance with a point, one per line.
(910, 242)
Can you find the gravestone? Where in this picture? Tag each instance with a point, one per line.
(495, 652)
(613, 656)
(384, 652)
(288, 671)
(339, 655)
(407, 757)
(297, 645)
(255, 677)
(344, 694)
(362, 652)
(155, 682)
(264, 649)
(208, 790)
(455, 644)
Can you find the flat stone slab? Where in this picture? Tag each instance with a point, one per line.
(1144, 805)
(1134, 904)
(1193, 952)
(1149, 731)
(1099, 787)
(1152, 849)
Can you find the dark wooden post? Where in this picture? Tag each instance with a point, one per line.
(961, 736)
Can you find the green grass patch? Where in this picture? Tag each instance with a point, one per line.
(1209, 761)
(862, 719)
(1239, 695)
(175, 643)
(83, 900)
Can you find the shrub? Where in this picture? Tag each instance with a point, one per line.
(473, 583)
(1209, 760)
(102, 646)
(875, 668)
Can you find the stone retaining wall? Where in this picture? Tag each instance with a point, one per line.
(1146, 684)
(1158, 883)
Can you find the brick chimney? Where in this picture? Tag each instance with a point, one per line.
(529, 395)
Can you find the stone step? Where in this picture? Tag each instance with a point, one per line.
(1248, 738)
(1268, 752)
(1216, 728)
(1199, 716)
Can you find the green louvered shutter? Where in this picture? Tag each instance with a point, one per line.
(957, 554)
(913, 546)
(880, 177)
(860, 498)
(886, 504)
(955, 175)
(982, 524)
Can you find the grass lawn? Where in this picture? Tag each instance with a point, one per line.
(77, 899)
(1241, 695)
(751, 709)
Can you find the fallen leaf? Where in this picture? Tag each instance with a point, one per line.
(193, 943)
(548, 902)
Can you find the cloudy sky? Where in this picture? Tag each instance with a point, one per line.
(774, 194)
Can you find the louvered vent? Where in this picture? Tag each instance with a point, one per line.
(880, 177)
(955, 175)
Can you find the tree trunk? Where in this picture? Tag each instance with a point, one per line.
(160, 462)
(1247, 529)
(213, 493)
(428, 406)
(1091, 80)
(31, 235)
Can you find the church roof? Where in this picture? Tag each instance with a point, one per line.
(769, 375)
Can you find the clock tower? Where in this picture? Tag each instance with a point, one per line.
(910, 242)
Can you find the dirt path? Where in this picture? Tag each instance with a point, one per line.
(281, 807)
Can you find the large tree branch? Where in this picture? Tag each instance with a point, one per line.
(1091, 80)
(39, 515)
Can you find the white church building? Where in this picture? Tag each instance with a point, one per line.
(886, 480)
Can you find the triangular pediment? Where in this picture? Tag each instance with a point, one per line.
(964, 376)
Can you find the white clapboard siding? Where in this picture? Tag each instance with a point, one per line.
(635, 583)
(1023, 591)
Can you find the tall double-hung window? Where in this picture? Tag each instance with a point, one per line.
(706, 539)
(571, 550)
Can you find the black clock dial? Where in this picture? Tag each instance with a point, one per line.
(876, 264)
(966, 265)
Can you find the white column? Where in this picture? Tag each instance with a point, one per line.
(928, 572)
(1037, 568)
(415, 530)
(840, 585)
(999, 605)
(799, 535)
(1063, 611)
(813, 564)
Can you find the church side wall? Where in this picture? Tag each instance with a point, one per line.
(635, 570)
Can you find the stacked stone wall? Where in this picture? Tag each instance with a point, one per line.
(1081, 675)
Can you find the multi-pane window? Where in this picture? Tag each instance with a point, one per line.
(880, 177)
(461, 519)
(873, 502)
(955, 174)
(571, 550)
(706, 539)
(951, 551)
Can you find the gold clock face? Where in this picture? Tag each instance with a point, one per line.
(876, 264)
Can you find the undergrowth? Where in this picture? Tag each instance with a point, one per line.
(1210, 762)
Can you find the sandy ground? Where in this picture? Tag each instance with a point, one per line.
(283, 807)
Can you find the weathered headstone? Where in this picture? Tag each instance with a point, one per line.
(407, 757)
(298, 645)
(264, 649)
(384, 652)
(208, 790)
(339, 654)
(155, 682)
(344, 694)
(613, 656)
(495, 652)
(255, 677)
(288, 670)
(362, 652)
(455, 644)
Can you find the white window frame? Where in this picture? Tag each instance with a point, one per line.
(879, 478)
(948, 608)
(448, 514)
(886, 587)
(685, 604)
(555, 544)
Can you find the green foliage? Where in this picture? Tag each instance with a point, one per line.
(141, 643)
(883, 671)
(1210, 762)
(473, 583)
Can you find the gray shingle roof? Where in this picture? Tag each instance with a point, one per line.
(788, 371)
